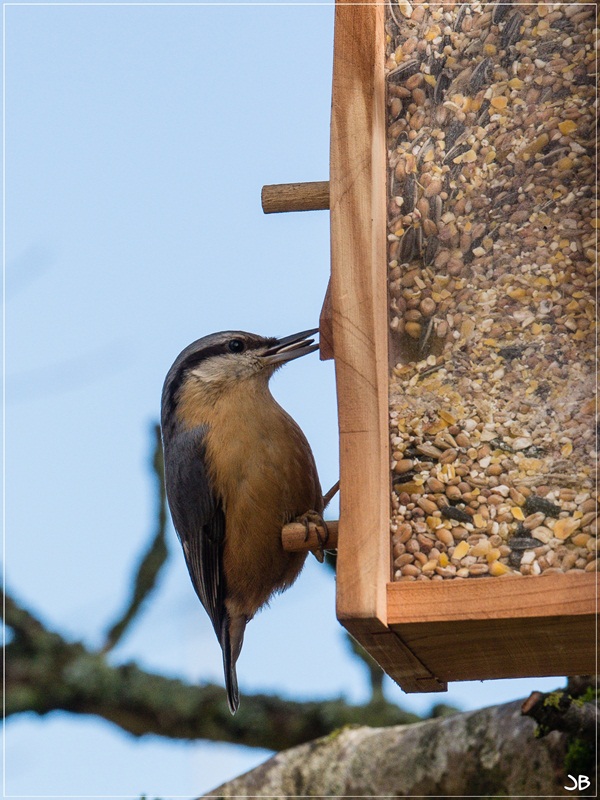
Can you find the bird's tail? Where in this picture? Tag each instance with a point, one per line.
(231, 643)
(233, 695)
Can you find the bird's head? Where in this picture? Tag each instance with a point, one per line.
(221, 362)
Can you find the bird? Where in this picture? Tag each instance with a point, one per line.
(237, 468)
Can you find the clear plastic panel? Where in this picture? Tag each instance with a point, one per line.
(492, 227)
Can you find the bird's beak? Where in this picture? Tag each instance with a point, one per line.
(290, 347)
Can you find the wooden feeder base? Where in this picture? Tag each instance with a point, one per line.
(484, 628)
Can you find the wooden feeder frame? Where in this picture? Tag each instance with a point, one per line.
(422, 633)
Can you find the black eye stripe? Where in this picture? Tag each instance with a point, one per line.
(175, 380)
(195, 354)
(194, 359)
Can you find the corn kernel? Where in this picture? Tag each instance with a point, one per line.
(499, 102)
(565, 527)
(460, 551)
(448, 417)
(568, 126)
(565, 164)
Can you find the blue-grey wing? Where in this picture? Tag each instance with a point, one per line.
(198, 518)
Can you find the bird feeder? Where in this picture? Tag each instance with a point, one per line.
(460, 316)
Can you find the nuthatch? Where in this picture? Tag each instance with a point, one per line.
(237, 468)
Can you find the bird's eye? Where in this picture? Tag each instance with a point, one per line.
(236, 346)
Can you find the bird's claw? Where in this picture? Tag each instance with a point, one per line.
(319, 522)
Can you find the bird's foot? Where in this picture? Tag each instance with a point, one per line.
(318, 522)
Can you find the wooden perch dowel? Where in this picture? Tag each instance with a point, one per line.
(293, 536)
(280, 197)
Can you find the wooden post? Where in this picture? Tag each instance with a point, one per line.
(358, 296)
(358, 287)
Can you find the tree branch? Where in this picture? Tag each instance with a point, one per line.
(46, 673)
(154, 557)
(560, 711)
(484, 753)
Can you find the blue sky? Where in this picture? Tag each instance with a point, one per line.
(137, 139)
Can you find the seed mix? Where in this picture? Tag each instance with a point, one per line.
(492, 232)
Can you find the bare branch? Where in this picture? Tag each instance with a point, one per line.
(46, 673)
(24, 625)
(154, 557)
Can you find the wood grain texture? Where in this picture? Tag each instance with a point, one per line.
(326, 351)
(395, 657)
(479, 629)
(561, 595)
(358, 297)
(282, 197)
(294, 537)
(503, 648)
(421, 633)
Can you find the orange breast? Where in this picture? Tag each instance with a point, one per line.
(263, 469)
